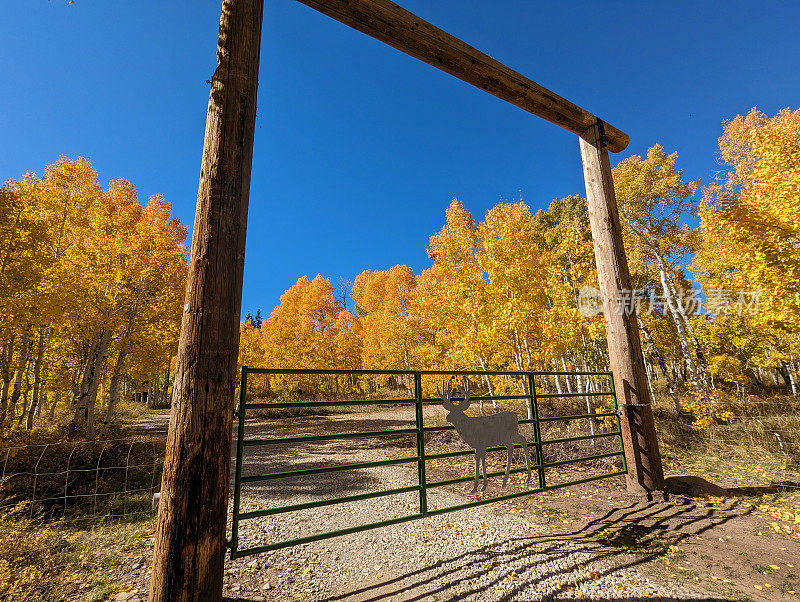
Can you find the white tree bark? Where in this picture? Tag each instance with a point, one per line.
(680, 325)
(92, 373)
(37, 379)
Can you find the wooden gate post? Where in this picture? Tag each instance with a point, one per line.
(645, 472)
(189, 552)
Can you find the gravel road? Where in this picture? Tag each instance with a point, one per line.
(484, 553)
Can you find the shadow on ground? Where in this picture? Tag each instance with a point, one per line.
(625, 537)
(641, 528)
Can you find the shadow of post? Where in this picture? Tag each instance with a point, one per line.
(492, 565)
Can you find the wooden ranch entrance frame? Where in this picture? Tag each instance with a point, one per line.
(190, 536)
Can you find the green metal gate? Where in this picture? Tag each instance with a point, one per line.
(418, 400)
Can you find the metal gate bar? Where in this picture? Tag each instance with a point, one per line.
(419, 431)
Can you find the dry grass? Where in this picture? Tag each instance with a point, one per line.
(58, 561)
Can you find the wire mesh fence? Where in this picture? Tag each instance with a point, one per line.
(756, 451)
(749, 445)
(82, 480)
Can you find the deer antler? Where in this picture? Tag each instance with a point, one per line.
(467, 387)
(445, 393)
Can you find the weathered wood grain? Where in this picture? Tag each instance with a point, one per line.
(622, 332)
(190, 536)
(397, 27)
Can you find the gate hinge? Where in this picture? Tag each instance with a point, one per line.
(630, 405)
(602, 126)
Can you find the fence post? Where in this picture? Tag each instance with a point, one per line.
(423, 493)
(36, 478)
(237, 488)
(125, 492)
(97, 477)
(645, 472)
(537, 435)
(189, 549)
(66, 481)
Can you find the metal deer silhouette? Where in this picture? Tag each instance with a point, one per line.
(482, 432)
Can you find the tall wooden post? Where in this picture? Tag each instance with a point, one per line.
(190, 537)
(645, 472)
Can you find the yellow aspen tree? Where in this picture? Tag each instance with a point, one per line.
(750, 239)
(654, 201)
(388, 332)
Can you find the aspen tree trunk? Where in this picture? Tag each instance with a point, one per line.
(559, 390)
(566, 378)
(113, 389)
(525, 390)
(24, 400)
(42, 402)
(149, 394)
(92, 373)
(4, 400)
(17, 390)
(645, 472)
(673, 393)
(528, 401)
(702, 365)
(188, 555)
(489, 385)
(680, 325)
(786, 372)
(650, 372)
(165, 390)
(8, 356)
(517, 347)
(53, 407)
(37, 380)
(581, 383)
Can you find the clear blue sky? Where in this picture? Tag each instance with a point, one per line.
(359, 148)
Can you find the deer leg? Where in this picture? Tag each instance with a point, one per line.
(475, 486)
(485, 478)
(509, 455)
(520, 439)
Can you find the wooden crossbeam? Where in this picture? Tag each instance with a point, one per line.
(401, 29)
